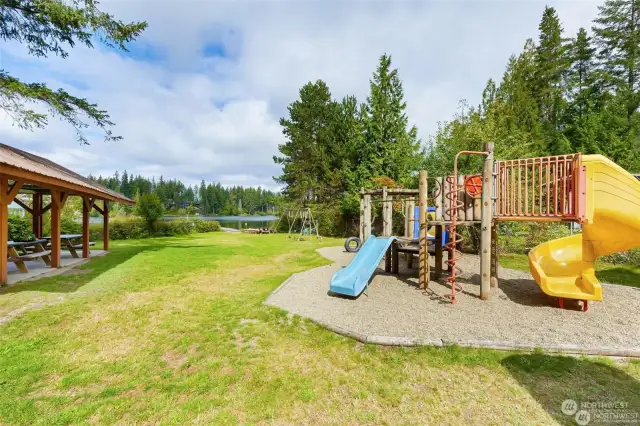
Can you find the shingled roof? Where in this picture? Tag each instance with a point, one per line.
(18, 164)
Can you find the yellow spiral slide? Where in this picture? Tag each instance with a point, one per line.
(564, 267)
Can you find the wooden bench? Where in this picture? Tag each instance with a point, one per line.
(19, 259)
(79, 246)
(67, 245)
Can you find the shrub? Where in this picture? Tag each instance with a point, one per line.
(129, 228)
(631, 257)
(206, 225)
(136, 228)
(20, 228)
(150, 208)
(70, 226)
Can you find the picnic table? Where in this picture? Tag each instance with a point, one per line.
(69, 242)
(18, 253)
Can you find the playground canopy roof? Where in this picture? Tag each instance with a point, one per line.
(40, 174)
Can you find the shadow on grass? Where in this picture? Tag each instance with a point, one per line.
(68, 283)
(197, 256)
(553, 379)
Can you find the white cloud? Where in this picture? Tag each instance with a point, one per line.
(190, 117)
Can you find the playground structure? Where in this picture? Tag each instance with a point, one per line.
(590, 190)
(304, 217)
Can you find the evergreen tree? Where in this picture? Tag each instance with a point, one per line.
(48, 27)
(617, 35)
(308, 132)
(391, 148)
(552, 63)
(583, 95)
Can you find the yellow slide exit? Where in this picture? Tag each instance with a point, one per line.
(564, 267)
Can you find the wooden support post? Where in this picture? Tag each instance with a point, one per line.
(395, 258)
(57, 202)
(439, 198)
(367, 217)
(387, 261)
(386, 213)
(36, 216)
(7, 195)
(477, 209)
(361, 225)
(407, 220)
(423, 253)
(86, 209)
(4, 230)
(485, 223)
(494, 255)
(105, 226)
(386, 208)
(410, 222)
(438, 250)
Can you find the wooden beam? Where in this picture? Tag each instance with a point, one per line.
(55, 228)
(4, 230)
(19, 202)
(105, 225)
(86, 210)
(63, 198)
(98, 209)
(13, 192)
(15, 173)
(45, 209)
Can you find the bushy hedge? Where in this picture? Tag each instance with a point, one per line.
(136, 228)
(19, 228)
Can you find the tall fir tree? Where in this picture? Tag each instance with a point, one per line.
(391, 147)
(308, 130)
(583, 95)
(552, 64)
(617, 35)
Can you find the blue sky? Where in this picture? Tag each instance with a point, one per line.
(200, 94)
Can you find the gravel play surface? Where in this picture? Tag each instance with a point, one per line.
(518, 312)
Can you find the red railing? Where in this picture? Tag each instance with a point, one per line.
(544, 188)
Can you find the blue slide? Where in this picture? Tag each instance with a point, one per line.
(353, 279)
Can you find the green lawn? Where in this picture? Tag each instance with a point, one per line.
(616, 274)
(173, 331)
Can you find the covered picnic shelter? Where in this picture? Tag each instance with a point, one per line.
(37, 177)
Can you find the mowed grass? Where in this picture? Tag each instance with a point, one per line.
(628, 275)
(173, 331)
